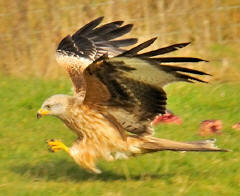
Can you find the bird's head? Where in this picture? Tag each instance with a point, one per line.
(56, 105)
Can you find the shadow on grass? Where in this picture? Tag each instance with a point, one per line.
(61, 170)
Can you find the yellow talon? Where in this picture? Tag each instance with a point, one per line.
(56, 145)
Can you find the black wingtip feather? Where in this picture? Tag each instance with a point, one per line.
(138, 48)
(171, 68)
(124, 42)
(178, 60)
(118, 32)
(88, 27)
(189, 78)
(118, 22)
(164, 50)
(106, 28)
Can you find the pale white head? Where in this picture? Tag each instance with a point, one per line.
(56, 105)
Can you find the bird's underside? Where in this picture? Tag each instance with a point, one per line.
(117, 93)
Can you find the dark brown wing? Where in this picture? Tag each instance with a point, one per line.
(91, 42)
(130, 85)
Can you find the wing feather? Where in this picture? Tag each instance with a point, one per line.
(118, 32)
(138, 48)
(89, 43)
(105, 29)
(164, 50)
(86, 29)
(132, 86)
(124, 42)
(178, 59)
(128, 86)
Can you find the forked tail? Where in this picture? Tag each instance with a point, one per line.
(152, 144)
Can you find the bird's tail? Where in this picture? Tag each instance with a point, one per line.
(151, 144)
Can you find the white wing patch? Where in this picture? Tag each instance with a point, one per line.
(73, 61)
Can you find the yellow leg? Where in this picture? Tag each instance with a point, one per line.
(56, 145)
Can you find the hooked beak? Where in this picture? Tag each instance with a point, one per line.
(41, 113)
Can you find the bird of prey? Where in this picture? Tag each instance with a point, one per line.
(117, 93)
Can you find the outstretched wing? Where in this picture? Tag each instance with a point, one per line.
(90, 42)
(130, 85)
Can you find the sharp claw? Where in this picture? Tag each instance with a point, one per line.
(55, 145)
(51, 140)
(50, 150)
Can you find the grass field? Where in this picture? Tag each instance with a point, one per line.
(29, 34)
(27, 168)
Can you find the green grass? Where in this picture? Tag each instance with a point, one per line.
(27, 168)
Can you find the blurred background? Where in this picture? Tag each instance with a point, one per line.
(30, 30)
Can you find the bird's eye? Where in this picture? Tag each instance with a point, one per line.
(47, 106)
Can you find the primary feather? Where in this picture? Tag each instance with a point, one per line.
(90, 42)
